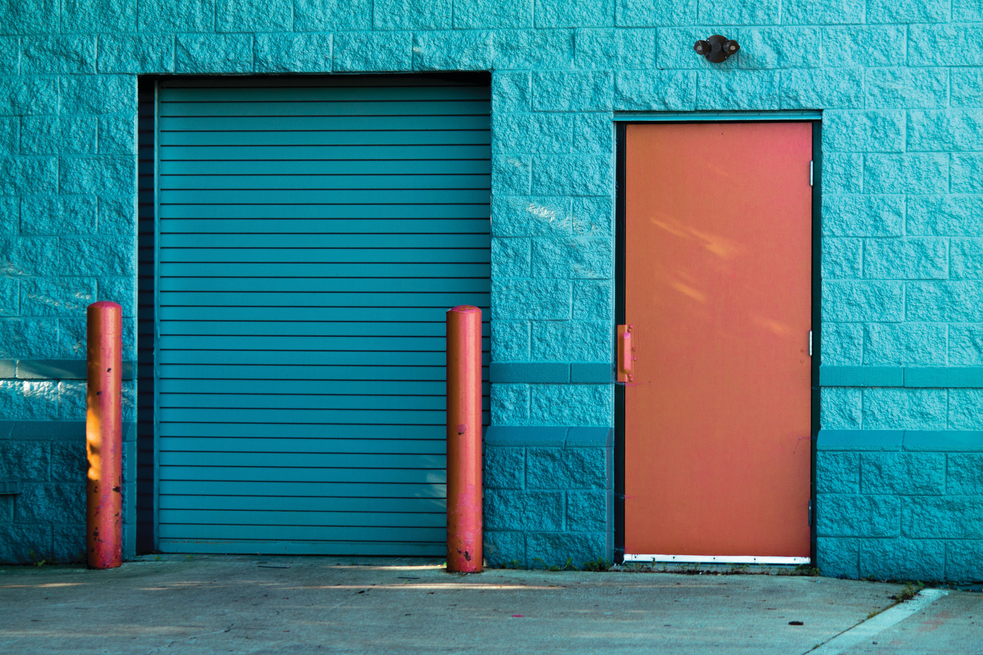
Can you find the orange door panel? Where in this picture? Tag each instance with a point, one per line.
(718, 279)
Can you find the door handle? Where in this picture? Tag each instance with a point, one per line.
(626, 355)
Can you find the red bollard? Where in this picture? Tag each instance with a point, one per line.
(464, 548)
(104, 437)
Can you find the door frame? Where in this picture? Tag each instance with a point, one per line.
(621, 123)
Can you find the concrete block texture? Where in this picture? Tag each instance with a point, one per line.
(842, 344)
(533, 49)
(909, 173)
(904, 88)
(823, 12)
(864, 301)
(837, 473)
(471, 14)
(558, 548)
(945, 215)
(943, 517)
(962, 560)
(170, 16)
(840, 409)
(51, 503)
(504, 548)
(214, 53)
(966, 173)
(944, 301)
(906, 259)
(655, 90)
(291, 53)
(903, 474)
(902, 559)
(866, 131)
(863, 215)
(575, 13)
(566, 468)
(964, 474)
(894, 409)
(504, 468)
(411, 14)
(530, 511)
(905, 344)
(838, 558)
(846, 515)
(573, 91)
(615, 49)
(833, 88)
(88, 16)
(939, 45)
(253, 15)
(767, 48)
(964, 409)
(457, 50)
(953, 130)
(58, 54)
(842, 258)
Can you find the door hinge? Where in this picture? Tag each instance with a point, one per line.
(810, 173)
(810, 343)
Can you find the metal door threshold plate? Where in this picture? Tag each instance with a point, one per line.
(716, 559)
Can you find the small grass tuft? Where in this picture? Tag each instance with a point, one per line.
(598, 565)
(909, 591)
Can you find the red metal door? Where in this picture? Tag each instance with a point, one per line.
(718, 294)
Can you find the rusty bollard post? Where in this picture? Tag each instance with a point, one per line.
(464, 535)
(104, 436)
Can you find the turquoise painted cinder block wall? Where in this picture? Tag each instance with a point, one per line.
(900, 85)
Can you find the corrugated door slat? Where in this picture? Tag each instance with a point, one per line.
(312, 234)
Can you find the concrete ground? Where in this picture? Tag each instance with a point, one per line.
(185, 604)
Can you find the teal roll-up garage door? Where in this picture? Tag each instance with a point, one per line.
(312, 234)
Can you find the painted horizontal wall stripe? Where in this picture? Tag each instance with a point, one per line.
(549, 436)
(900, 440)
(860, 376)
(10, 487)
(944, 377)
(55, 430)
(529, 372)
(914, 377)
(52, 369)
(550, 373)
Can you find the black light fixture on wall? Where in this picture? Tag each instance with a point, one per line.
(717, 48)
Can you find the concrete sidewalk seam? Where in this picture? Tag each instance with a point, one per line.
(890, 617)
